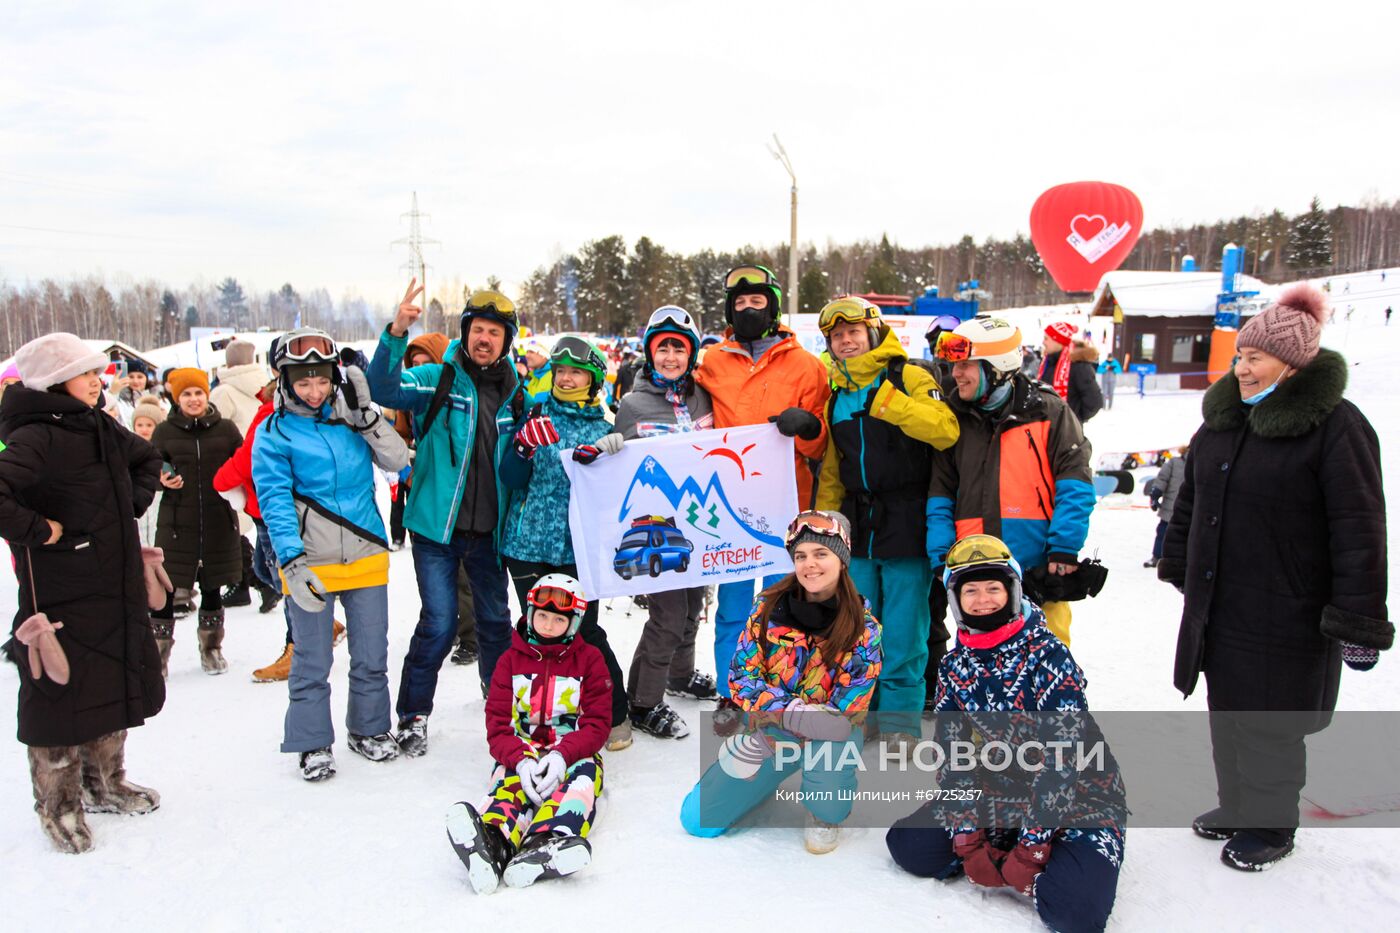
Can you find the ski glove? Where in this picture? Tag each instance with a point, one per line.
(352, 403)
(528, 771)
(742, 755)
(798, 422)
(550, 773)
(608, 445)
(981, 860)
(1358, 657)
(1023, 863)
(816, 721)
(537, 431)
(306, 589)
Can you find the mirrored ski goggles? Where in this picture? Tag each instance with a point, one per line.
(487, 300)
(670, 314)
(952, 347)
(555, 599)
(941, 323)
(975, 550)
(749, 275)
(823, 523)
(848, 311)
(301, 347)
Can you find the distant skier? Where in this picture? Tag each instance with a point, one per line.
(1108, 378)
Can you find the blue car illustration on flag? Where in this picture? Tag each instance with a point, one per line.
(652, 545)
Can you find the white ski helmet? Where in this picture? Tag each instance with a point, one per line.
(556, 592)
(993, 340)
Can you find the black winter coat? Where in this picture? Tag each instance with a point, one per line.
(79, 467)
(1278, 536)
(1083, 394)
(196, 526)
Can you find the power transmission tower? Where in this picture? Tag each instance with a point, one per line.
(415, 241)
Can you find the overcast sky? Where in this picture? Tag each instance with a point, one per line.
(281, 141)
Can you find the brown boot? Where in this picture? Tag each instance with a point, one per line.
(105, 787)
(211, 639)
(164, 631)
(58, 796)
(278, 670)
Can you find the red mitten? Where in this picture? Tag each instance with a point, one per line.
(981, 861)
(1023, 863)
(537, 431)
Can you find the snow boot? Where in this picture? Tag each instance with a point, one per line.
(544, 855)
(278, 670)
(270, 598)
(317, 764)
(182, 602)
(164, 631)
(105, 787)
(1213, 824)
(211, 640)
(56, 774)
(619, 736)
(1257, 849)
(697, 686)
(483, 849)
(820, 837)
(1150, 562)
(660, 720)
(380, 747)
(337, 633)
(465, 653)
(413, 736)
(237, 596)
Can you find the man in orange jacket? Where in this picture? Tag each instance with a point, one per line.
(761, 373)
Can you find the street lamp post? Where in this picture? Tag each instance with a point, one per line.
(779, 153)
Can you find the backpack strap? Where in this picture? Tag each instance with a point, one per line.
(440, 393)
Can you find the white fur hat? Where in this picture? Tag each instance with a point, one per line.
(55, 358)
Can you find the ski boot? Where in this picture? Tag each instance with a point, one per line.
(545, 855)
(317, 764)
(380, 747)
(697, 686)
(482, 849)
(660, 720)
(413, 736)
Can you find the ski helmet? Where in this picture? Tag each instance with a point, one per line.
(671, 319)
(306, 351)
(490, 305)
(850, 309)
(555, 592)
(577, 352)
(980, 557)
(752, 280)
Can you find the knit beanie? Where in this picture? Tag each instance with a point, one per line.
(297, 371)
(840, 545)
(239, 353)
(148, 406)
(53, 359)
(1062, 332)
(1289, 328)
(187, 378)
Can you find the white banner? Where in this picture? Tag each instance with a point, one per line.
(681, 510)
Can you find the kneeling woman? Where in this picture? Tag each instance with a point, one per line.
(1007, 660)
(313, 465)
(806, 664)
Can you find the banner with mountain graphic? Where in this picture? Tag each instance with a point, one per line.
(680, 510)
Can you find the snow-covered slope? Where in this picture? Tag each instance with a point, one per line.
(241, 843)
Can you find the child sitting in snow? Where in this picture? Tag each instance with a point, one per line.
(547, 717)
(1007, 661)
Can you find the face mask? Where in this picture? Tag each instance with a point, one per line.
(1255, 400)
(752, 323)
(581, 394)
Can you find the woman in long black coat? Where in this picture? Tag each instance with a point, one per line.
(196, 527)
(1278, 541)
(72, 482)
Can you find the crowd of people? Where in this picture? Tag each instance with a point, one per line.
(953, 489)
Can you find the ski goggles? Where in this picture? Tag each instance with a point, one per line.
(485, 299)
(848, 311)
(952, 347)
(305, 348)
(556, 599)
(670, 314)
(749, 275)
(977, 550)
(942, 322)
(574, 351)
(822, 523)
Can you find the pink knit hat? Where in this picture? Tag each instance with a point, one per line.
(1289, 328)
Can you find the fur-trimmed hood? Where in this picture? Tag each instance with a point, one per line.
(1297, 406)
(1084, 352)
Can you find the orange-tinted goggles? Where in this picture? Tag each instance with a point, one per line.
(952, 347)
(555, 599)
(309, 347)
(748, 275)
(823, 523)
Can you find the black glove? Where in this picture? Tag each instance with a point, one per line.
(798, 422)
(1042, 586)
(1170, 570)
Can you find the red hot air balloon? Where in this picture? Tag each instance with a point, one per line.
(1084, 229)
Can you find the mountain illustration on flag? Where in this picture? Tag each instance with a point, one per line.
(705, 501)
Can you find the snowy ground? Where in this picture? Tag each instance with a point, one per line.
(241, 842)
